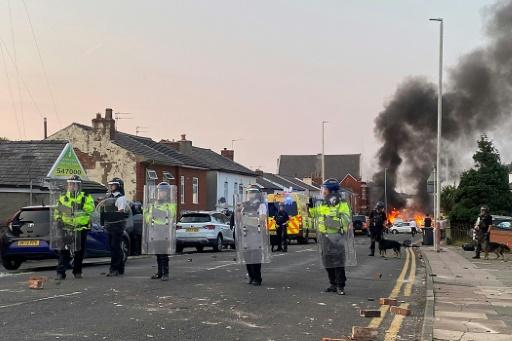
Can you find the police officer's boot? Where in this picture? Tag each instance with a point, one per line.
(165, 269)
(158, 275)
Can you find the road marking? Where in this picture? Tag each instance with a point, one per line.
(396, 324)
(221, 266)
(392, 332)
(8, 274)
(40, 299)
(376, 321)
(412, 275)
(305, 250)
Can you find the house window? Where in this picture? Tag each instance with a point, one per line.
(241, 189)
(226, 190)
(168, 177)
(151, 177)
(195, 190)
(182, 189)
(235, 192)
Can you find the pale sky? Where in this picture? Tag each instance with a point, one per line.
(267, 72)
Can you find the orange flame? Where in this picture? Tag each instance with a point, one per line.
(393, 215)
(419, 218)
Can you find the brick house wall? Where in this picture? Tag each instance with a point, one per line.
(360, 190)
(101, 158)
(188, 173)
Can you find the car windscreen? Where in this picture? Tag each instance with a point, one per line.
(195, 218)
(361, 218)
(39, 216)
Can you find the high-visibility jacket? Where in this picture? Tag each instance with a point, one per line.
(170, 208)
(74, 211)
(331, 219)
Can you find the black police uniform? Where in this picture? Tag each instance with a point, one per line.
(377, 221)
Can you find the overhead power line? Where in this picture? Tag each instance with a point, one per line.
(45, 74)
(15, 112)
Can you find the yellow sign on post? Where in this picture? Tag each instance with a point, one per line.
(67, 164)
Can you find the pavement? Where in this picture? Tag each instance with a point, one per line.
(472, 297)
(207, 298)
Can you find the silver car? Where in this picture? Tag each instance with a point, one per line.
(200, 229)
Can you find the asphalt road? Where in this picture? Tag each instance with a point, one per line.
(207, 298)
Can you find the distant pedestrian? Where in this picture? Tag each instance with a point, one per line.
(282, 220)
(427, 222)
(484, 222)
(377, 221)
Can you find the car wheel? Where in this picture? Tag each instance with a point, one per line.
(125, 247)
(217, 247)
(11, 263)
(394, 232)
(199, 248)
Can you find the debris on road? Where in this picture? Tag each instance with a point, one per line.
(400, 311)
(370, 313)
(388, 301)
(36, 282)
(364, 333)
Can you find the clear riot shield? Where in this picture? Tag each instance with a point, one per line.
(251, 232)
(111, 214)
(64, 209)
(335, 235)
(159, 227)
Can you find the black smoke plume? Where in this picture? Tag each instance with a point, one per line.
(477, 99)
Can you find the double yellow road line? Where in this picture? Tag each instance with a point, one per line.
(396, 324)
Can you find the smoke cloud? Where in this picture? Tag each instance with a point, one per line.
(477, 99)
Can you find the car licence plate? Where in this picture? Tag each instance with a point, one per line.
(193, 229)
(28, 242)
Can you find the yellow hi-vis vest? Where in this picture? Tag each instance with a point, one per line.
(74, 211)
(169, 207)
(331, 219)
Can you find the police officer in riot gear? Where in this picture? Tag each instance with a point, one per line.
(482, 230)
(251, 231)
(332, 217)
(159, 230)
(115, 223)
(72, 215)
(377, 221)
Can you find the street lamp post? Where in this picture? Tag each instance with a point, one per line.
(439, 126)
(323, 150)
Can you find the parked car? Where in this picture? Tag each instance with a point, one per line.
(501, 231)
(359, 222)
(28, 238)
(402, 227)
(200, 229)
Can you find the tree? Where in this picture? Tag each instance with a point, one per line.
(3, 138)
(448, 198)
(485, 184)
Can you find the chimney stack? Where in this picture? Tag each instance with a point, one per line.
(258, 172)
(228, 153)
(45, 129)
(106, 125)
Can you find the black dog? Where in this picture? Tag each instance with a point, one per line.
(387, 244)
(497, 248)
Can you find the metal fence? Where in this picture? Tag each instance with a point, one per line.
(459, 232)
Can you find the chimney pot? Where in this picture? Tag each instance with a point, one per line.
(98, 116)
(108, 114)
(183, 137)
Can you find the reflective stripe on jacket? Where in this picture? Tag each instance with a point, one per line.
(169, 207)
(75, 212)
(331, 219)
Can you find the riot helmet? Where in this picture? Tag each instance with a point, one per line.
(74, 184)
(163, 192)
(118, 185)
(379, 205)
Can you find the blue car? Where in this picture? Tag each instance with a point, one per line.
(28, 237)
